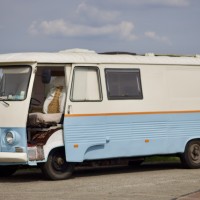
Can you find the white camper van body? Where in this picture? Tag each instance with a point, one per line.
(113, 106)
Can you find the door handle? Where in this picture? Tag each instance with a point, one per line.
(69, 109)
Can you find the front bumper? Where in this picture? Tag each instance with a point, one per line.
(7, 157)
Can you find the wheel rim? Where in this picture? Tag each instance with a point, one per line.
(58, 163)
(195, 153)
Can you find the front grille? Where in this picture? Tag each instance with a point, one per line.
(19, 149)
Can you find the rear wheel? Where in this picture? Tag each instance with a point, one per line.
(191, 156)
(56, 167)
(7, 170)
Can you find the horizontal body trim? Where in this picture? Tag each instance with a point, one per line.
(6, 157)
(134, 113)
(101, 137)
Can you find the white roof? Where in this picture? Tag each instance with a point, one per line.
(86, 56)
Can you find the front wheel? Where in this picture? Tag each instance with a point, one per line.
(56, 167)
(191, 157)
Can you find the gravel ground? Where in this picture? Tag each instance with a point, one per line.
(148, 182)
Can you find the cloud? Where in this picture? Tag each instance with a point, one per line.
(91, 13)
(168, 3)
(175, 3)
(152, 35)
(32, 29)
(60, 27)
(89, 21)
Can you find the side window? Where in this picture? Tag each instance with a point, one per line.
(123, 84)
(86, 84)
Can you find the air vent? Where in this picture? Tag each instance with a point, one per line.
(19, 149)
(149, 54)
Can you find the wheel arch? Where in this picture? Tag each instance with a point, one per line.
(56, 166)
(190, 140)
(55, 141)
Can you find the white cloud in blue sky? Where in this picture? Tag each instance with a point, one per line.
(163, 39)
(177, 3)
(92, 22)
(87, 12)
(60, 27)
(160, 26)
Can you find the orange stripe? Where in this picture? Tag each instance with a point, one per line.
(132, 113)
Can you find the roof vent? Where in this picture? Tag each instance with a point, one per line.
(77, 51)
(149, 54)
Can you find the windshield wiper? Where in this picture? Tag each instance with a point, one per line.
(3, 100)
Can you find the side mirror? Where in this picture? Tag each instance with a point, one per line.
(46, 76)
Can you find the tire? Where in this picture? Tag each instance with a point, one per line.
(191, 157)
(56, 167)
(6, 171)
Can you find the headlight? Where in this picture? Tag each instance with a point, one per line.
(10, 137)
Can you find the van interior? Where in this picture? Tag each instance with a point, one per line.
(46, 112)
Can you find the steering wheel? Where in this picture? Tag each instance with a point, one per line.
(35, 102)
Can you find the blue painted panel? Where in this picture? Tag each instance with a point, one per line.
(20, 139)
(101, 137)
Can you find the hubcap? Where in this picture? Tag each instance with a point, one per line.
(59, 163)
(195, 153)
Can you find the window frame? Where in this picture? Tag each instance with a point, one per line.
(29, 78)
(99, 84)
(135, 97)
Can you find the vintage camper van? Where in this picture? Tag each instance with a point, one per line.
(61, 109)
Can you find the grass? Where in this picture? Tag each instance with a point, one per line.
(162, 159)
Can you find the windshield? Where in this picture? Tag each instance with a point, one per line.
(14, 82)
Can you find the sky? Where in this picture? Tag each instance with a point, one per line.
(139, 26)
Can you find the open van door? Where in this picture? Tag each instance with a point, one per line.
(16, 82)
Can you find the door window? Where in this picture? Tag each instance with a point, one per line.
(86, 84)
(14, 82)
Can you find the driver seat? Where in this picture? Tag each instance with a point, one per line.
(53, 107)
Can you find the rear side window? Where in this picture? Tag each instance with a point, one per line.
(86, 84)
(123, 84)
